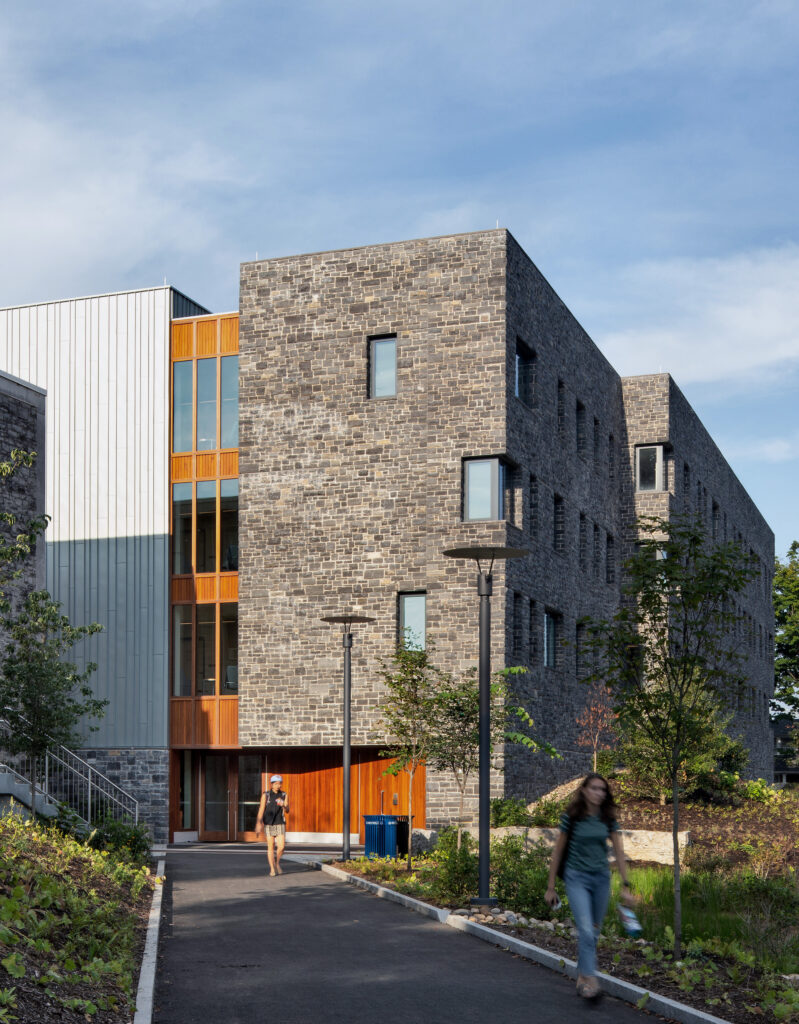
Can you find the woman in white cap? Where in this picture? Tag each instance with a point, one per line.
(272, 813)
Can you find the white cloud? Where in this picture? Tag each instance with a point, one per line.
(767, 449)
(706, 320)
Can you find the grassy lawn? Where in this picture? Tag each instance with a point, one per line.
(72, 923)
(740, 905)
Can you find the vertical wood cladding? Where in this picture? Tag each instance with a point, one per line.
(346, 500)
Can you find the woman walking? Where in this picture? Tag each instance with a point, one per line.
(586, 826)
(272, 813)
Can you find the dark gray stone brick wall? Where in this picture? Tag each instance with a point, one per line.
(144, 774)
(347, 500)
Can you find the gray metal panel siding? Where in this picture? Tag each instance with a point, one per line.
(182, 305)
(105, 364)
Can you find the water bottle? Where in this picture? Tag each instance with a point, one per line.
(629, 921)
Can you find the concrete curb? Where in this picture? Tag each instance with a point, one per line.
(623, 990)
(146, 989)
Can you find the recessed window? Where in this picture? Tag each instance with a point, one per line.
(596, 554)
(533, 517)
(181, 650)
(229, 648)
(561, 409)
(558, 524)
(229, 525)
(484, 485)
(611, 457)
(383, 366)
(230, 401)
(610, 559)
(583, 543)
(552, 626)
(205, 657)
(181, 529)
(580, 429)
(525, 372)
(518, 627)
(206, 526)
(182, 406)
(206, 404)
(413, 621)
(649, 468)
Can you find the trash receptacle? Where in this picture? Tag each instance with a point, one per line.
(373, 835)
(389, 835)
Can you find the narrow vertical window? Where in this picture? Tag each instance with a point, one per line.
(558, 524)
(715, 521)
(205, 664)
(206, 526)
(383, 366)
(413, 621)
(610, 559)
(611, 457)
(583, 543)
(181, 529)
(533, 525)
(181, 650)
(229, 648)
(525, 372)
(561, 410)
(596, 554)
(229, 525)
(229, 390)
(532, 634)
(579, 651)
(182, 401)
(596, 441)
(206, 404)
(551, 638)
(686, 484)
(580, 430)
(518, 627)
(649, 468)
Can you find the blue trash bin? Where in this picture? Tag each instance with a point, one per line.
(389, 836)
(373, 835)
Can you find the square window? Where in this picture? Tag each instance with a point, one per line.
(412, 621)
(383, 366)
(484, 485)
(649, 468)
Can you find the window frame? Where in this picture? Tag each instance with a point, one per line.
(524, 373)
(374, 340)
(500, 475)
(402, 596)
(660, 478)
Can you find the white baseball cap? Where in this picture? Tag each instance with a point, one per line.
(276, 778)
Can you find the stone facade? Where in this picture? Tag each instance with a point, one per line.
(144, 774)
(22, 426)
(348, 501)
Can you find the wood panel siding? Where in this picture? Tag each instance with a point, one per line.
(181, 722)
(229, 343)
(183, 589)
(228, 712)
(206, 721)
(207, 466)
(229, 464)
(182, 468)
(206, 588)
(182, 341)
(229, 587)
(207, 337)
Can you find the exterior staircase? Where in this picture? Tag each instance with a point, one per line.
(65, 779)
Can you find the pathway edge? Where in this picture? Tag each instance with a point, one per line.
(623, 990)
(149, 960)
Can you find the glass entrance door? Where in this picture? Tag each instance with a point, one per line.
(250, 787)
(215, 802)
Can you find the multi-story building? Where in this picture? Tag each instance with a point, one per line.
(365, 410)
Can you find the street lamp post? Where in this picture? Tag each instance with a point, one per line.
(346, 621)
(484, 590)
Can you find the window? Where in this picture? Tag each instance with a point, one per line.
(206, 404)
(533, 529)
(558, 524)
(552, 625)
(230, 401)
(229, 648)
(715, 521)
(525, 373)
(181, 650)
(611, 457)
(229, 525)
(583, 543)
(383, 366)
(532, 635)
(181, 529)
(595, 554)
(561, 409)
(580, 666)
(182, 402)
(484, 485)
(580, 430)
(205, 684)
(518, 627)
(610, 559)
(649, 468)
(412, 621)
(596, 441)
(206, 526)
(686, 484)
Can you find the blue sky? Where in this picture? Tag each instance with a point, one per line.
(644, 155)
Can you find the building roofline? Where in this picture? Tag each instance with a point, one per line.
(206, 316)
(101, 295)
(24, 383)
(377, 245)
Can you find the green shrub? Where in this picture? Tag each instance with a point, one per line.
(547, 813)
(509, 810)
(606, 762)
(760, 791)
(519, 876)
(124, 839)
(456, 873)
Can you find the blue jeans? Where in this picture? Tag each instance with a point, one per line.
(589, 893)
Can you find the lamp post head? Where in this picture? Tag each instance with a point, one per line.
(486, 554)
(347, 619)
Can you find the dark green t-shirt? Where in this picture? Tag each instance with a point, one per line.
(588, 848)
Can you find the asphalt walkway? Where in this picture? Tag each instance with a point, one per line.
(304, 948)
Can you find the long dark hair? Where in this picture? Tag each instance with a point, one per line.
(578, 808)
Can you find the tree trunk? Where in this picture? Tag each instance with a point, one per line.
(410, 816)
(594, 760)
(675, 829)
(460, 812)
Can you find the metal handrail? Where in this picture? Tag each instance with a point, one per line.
(69, 779)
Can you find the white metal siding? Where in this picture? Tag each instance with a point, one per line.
(104, 363)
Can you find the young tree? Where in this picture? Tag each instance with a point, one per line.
(596, 720)
(786, 640)
(410, 681)
(455, 727)
(42, 696)
(666, 654)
